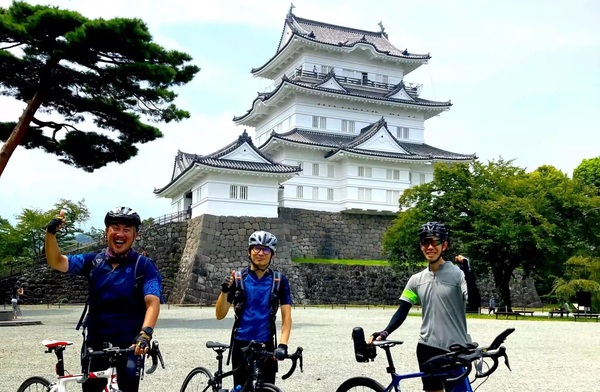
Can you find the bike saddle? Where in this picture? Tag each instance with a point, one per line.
(55, 343)
(211, 344)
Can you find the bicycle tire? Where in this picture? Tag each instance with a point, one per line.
(266, 387)
(360, 384)
(198, 380)
(35, 384)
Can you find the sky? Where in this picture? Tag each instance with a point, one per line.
(523, 77)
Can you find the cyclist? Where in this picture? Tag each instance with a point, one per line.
(124, 294)
(256, 299)
(442, 290)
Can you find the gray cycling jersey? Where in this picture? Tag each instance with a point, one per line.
(443, 298)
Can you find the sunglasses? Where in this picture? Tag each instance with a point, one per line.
(265, 249)
(430, 241)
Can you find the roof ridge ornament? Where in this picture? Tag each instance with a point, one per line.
(292, 6)
(380, 24)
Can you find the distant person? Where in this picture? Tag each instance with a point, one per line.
(124, 295)
(16, 300)
(566, 308)
(188, 213)
(492, 308)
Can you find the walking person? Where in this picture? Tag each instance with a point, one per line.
(256, 293)
(442, 289)
(16, 300)
(492, 307)
(124, 295)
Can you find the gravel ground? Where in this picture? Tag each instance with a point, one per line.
(550, 356)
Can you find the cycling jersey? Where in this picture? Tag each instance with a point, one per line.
(116, 308)
(255, 322)
(443, 297)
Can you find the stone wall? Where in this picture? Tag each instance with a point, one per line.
(194, 257)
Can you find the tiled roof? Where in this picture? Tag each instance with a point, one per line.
(340, 36)
(185, 161)
(346, 36)
(339, 143)
(350, 92)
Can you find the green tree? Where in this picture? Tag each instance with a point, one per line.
(31, 224)
(588, 172)
(501, 216)
(582, 274)
(107, 71)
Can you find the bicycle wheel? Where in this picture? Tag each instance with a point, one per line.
(266, 387)
(198, 380)
(360, 384)
(35, 384)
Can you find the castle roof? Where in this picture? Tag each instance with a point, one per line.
(334, 36)
(240, 156)
(399, 96)
(361, 145)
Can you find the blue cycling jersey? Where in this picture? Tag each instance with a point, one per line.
(116, 308)
(255, 323)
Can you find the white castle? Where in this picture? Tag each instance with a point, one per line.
(339, 131)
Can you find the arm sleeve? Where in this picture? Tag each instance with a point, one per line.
(398, 317)
(472, 296)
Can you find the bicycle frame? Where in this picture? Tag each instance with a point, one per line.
(60, 385)
(462, 386)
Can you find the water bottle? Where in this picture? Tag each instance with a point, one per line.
(238, 388)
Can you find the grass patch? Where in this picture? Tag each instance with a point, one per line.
(380, 263)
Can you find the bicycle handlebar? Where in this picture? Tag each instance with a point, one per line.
(294, 357)
(111, 352)
(466, 355)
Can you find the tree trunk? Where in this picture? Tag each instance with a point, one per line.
(18, 133)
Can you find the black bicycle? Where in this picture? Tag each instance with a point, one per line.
(455, 366)
(201, 379)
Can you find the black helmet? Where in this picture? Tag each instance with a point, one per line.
(123, 215)
(434, 229)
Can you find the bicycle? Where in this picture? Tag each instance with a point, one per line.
(454, 366)
(41, 384)
(201, 379)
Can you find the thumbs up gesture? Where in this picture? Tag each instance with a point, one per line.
(56, 223)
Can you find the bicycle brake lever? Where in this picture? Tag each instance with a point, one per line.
(479, 366)
(506, 362)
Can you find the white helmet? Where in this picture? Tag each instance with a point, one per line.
(263, 238)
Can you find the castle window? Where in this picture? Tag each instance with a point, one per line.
(199, 194)
(364, 194)
(393, 196)
(348, 126)
(315, 169)
(402, 133)
(233, 191)
(364, 172)
(330, 171)
(244, 192)
(392, 174)
(299, 192)
(329, 194)
(319, 122)
(315, 193)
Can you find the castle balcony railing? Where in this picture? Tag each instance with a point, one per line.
(308, 76)
(180, 216)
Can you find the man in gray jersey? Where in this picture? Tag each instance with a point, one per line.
(442, 290)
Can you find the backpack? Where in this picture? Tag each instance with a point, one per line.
(139, 277)
(239, 303)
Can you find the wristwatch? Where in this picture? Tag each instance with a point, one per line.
(148, 331)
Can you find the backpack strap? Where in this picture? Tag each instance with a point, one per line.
(99, 259)
(276, 282)
(238, 305)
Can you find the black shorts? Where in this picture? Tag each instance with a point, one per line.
(432, 383)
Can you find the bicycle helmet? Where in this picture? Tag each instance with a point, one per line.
(263, 238)
(434, 229)
(123, 215)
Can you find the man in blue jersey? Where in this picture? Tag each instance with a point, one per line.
(124, 294)
(443, 290)
(256, 293)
